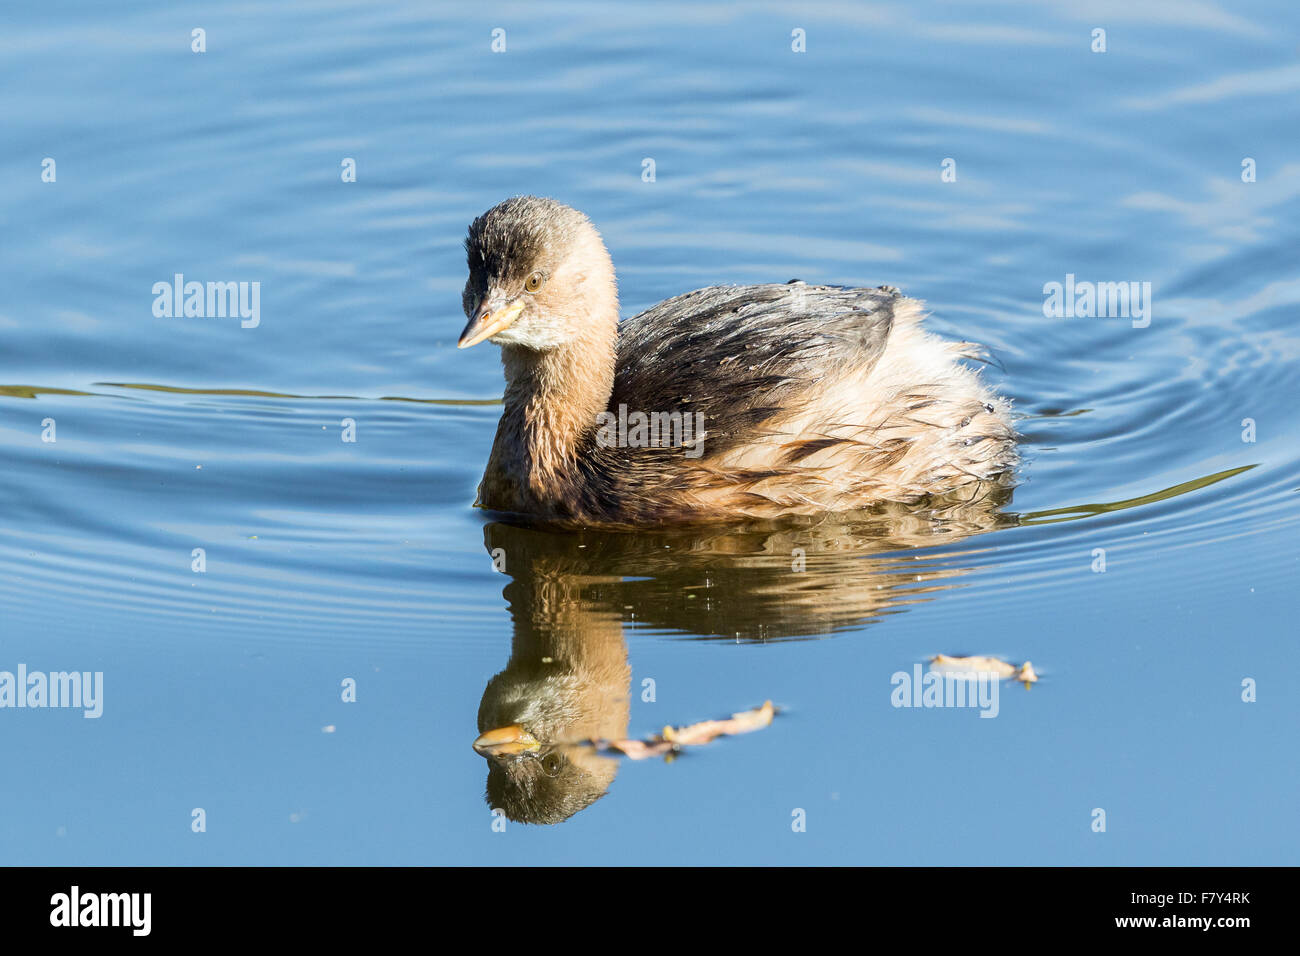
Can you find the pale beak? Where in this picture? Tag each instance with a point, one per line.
(488, 323)
(506, 740)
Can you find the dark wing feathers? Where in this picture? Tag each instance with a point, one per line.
(736, 353)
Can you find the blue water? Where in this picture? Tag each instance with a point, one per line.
(328, 560)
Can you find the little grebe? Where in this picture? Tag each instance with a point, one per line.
(755, 401)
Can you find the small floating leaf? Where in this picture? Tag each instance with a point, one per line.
(692, 735)
(974, 666)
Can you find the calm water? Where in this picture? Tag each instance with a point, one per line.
(328, 560)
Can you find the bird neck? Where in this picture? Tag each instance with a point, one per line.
(552, 401)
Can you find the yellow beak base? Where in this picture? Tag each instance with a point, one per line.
(488, 323)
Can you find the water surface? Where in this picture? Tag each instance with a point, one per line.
(327, 560)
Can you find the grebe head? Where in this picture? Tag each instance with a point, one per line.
(539, 277)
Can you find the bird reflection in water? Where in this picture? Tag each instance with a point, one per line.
(568, 679)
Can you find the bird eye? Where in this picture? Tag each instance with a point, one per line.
(552, 763)
(534, 282)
